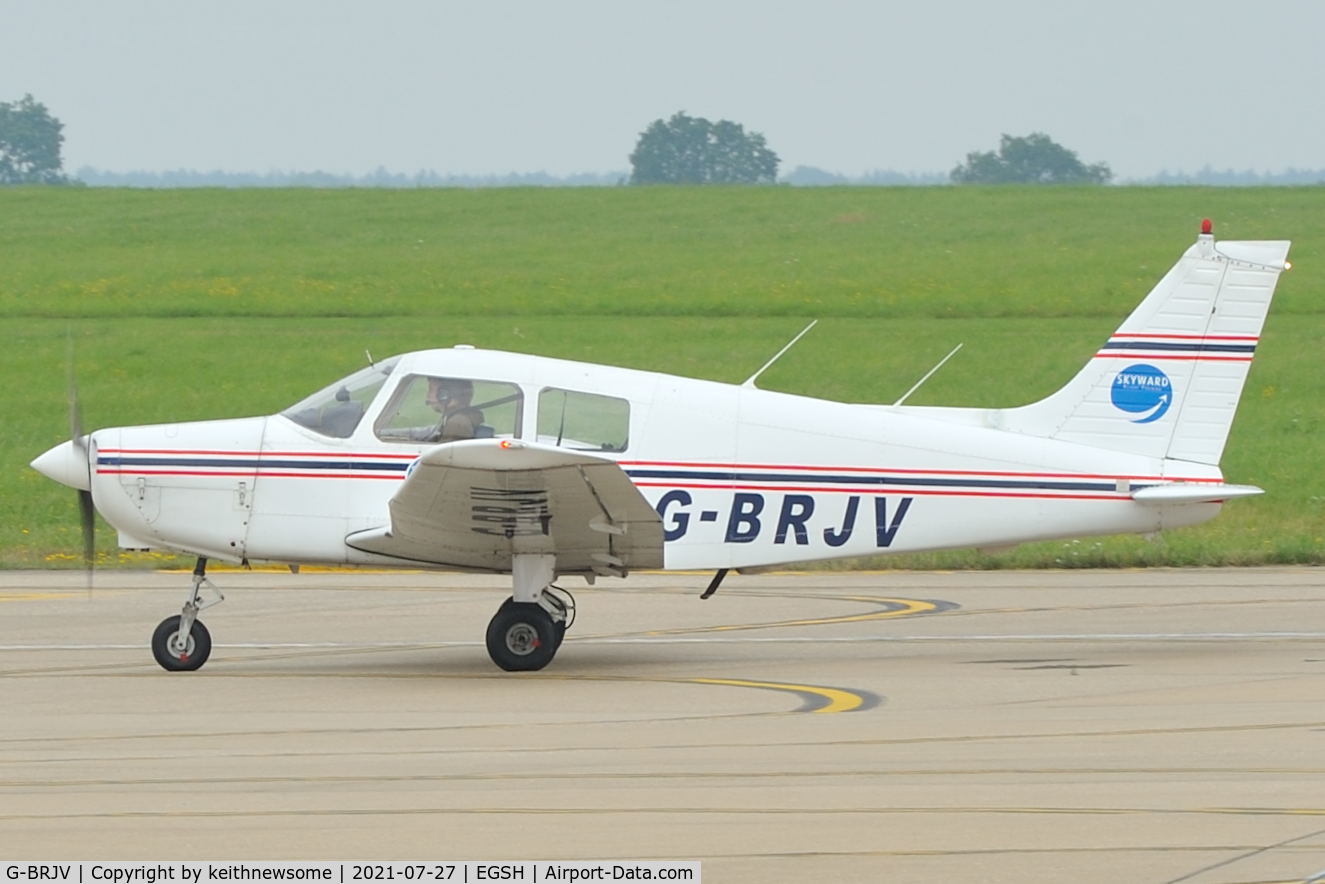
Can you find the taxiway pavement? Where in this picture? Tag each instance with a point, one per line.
(1089, 726)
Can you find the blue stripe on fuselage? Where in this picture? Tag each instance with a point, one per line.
(907, 481)
(257, 463)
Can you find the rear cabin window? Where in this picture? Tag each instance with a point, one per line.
(583, 421)
(428, 408)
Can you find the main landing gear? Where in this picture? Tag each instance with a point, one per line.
(529, 626)
(181, 643)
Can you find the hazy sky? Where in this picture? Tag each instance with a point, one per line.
(566, 86)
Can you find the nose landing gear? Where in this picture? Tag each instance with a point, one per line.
(181, 643)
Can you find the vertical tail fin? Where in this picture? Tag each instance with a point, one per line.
(1167, 383)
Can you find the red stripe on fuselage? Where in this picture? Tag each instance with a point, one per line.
(883, 471)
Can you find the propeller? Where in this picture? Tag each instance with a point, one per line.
(86, 510)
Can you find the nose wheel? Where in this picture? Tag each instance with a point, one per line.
(180, 652)
(181, 643)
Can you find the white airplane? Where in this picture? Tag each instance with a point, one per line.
(487, 461)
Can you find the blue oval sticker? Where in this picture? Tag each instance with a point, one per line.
(1142, 389)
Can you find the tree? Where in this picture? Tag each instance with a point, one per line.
(1034, 159)
(692, 150)
(30, 142)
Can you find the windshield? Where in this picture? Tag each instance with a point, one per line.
(337, 409)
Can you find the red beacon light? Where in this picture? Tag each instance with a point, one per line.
(1207, 227)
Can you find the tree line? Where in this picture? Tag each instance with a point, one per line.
(380, 178)
(679, 150)
(692, 150)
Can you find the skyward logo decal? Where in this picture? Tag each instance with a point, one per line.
(1144, 390)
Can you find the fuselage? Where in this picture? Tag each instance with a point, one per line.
(740, 477)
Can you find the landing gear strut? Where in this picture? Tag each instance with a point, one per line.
(528, 628)
(181, 643)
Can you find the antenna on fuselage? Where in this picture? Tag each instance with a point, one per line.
(750, 381)
(927, 376)
(371, 363)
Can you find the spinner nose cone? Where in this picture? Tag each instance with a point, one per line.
(66, 463)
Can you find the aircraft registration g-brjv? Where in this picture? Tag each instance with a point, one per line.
(485, 461)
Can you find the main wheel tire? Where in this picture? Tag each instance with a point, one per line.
(560, 625)
(522, 637)
(174, 658)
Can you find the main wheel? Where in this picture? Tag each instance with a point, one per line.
(175, 657)
(522, 637)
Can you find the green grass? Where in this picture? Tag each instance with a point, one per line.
(196, 304)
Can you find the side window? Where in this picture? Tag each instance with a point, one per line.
(428, 408)
(583, 421)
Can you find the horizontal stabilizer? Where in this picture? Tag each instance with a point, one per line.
(1191, 492)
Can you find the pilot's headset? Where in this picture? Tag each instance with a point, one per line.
(455, 389)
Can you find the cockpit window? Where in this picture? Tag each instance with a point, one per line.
(430, 408)
(336, 410)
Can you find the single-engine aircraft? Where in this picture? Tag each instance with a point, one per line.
(486, 461)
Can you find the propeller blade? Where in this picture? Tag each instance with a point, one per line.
(75, 417)
(86, 509)
(69, 377)
(87, 519)
(75, 409)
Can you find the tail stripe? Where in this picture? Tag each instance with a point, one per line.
(1184, 357)
(1117, 335)
(1185, 347)
(1173, 347)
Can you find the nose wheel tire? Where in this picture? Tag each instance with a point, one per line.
(176, 656)
(522, 637)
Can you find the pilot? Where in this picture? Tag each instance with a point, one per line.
(451, 398)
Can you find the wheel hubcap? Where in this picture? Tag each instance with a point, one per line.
(182, 650)
(522, 639)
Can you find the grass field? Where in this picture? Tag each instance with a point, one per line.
(194, 304)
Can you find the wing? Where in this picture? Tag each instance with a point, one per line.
(474, 504)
